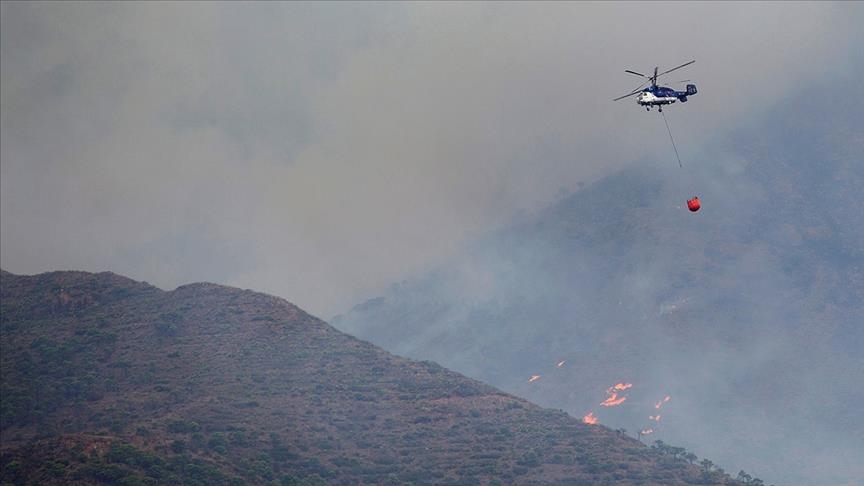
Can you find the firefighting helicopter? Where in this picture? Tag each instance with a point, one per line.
(655, 95)
(658, 96)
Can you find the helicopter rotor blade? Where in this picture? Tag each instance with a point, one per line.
(634, 72)
(679, 67)
(631, 93)
(625, 96)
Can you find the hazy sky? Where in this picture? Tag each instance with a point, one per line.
(320, 152)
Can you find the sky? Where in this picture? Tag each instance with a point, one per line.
(321, 151)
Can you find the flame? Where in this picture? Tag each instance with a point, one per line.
(646, 431)
(662, 402)
(613, 400)
(533, 378)
(655, 418)
(590, 419)
(561, 363)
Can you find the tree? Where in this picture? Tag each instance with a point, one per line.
(178, 446)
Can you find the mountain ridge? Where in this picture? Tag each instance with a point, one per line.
(123, 383)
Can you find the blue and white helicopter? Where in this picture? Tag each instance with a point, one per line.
(658, 96)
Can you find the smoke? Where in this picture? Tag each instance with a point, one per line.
(320, 152)
(746, 312)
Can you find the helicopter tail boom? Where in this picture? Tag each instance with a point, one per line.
(682, 96)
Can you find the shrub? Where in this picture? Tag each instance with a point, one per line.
(183, 426)
(178, 446)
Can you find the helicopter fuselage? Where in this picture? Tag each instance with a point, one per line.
(661, 95)
(646, 98)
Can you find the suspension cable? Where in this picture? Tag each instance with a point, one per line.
(672, 139)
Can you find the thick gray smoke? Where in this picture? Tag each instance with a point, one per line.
(321, 151)
(747, 313)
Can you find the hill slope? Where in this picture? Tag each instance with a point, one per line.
(750, 307)
(107, 380)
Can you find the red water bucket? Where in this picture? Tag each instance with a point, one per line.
(693, 204)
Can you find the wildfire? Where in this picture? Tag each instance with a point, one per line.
(561, 363)
(613, 399)
(647, 431)
(533, 378)
(590, 419)
(655, 418)
(662, 402)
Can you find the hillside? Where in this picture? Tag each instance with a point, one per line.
(749, 308)
(110, 381)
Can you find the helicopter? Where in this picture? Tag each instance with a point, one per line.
(658, 96)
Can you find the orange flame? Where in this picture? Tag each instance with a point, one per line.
(613, 400)
(647, 431)
(662, 402)
(590, 419)
(533, 378)
(655, 418)
(561, 363)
